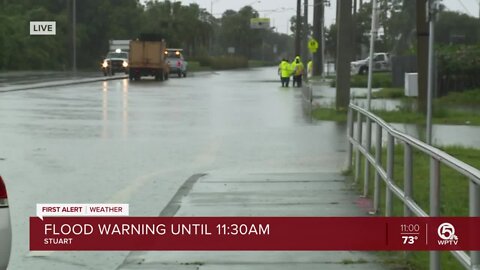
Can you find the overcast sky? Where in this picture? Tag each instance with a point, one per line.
(280, 11)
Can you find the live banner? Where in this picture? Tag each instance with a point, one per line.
(254, 233)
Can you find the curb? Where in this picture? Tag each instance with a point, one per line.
(59, 83)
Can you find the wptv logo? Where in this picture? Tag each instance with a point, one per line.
(446, 232)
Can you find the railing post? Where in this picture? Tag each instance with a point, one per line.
(434, 205)
(359, 140)
(350, 136)
(474, 198)
(368, 146)
(390, 154)
(378, 161)
(407, 177)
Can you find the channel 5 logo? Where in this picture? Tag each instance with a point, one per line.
(446, 232)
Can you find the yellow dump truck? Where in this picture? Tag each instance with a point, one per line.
(147, 58)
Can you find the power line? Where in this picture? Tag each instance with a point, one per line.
(465, 8)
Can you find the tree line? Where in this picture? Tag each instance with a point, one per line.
(195, 30)
(189, 27)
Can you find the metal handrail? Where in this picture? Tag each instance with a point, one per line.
(437, 158)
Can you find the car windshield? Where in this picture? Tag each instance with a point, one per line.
(117, 55)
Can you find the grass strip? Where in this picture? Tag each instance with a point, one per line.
(440, 116)
(454, 195)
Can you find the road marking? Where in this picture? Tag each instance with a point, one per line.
(206, 157)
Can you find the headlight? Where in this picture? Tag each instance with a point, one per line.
(105, 64)
(125, 64)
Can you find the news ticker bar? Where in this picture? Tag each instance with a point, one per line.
(254, 233)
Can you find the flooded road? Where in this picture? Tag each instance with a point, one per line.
(137, 142)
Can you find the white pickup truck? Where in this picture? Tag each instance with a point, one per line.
(381, 62)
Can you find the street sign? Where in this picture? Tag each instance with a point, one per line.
(260, 23)
(312, 45)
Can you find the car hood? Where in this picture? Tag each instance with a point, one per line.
(121, 59)
(359, 62)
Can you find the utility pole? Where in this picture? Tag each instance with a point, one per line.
(318, 12)
(305, 51)
(432, 14)
(74, 36)
(4, 64)
(422, 53)
(322, 43)
(297, 28)
(373, 36)
(344, 49)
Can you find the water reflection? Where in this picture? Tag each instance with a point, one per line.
(112, 92)
(125, 108)
(105, 110)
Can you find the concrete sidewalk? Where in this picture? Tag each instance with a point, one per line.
(262, 194)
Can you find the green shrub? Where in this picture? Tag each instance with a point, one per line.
(470, 97)
(458, 68)
(229, 62)
(221, 62)
(389, 93)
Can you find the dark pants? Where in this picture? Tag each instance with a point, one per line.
(298, 80)
(285, 81)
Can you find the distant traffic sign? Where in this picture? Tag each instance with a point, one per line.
(260, 23)
(312, 45)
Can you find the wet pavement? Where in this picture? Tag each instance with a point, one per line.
(261, 194)
(17, 78)
(136, 143)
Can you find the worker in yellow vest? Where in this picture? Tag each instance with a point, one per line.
(310, 68)
(298, 70)
(285, 72)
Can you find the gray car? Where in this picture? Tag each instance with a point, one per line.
(5, 227)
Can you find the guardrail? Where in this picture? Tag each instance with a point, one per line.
(437, 158)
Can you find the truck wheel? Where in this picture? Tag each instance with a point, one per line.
(363, 70)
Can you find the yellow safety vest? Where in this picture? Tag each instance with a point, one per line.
(284, 69)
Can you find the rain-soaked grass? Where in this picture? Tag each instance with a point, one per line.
(390, 93)
(457, 108)
(440, 116)
(379, 80)
(454, 195)
(469, 97)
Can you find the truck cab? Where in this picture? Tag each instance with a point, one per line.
(115, 61)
